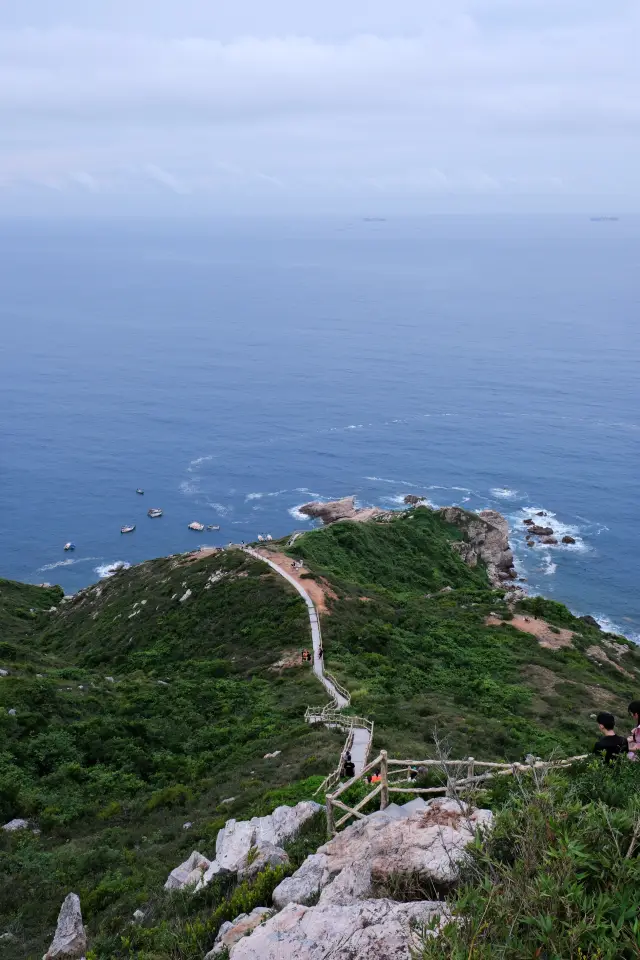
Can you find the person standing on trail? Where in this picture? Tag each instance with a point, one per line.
(609, 745)
(634, 740)
(320, 652)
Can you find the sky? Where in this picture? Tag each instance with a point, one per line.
(282, 106)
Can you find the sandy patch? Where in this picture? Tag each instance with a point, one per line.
(540, 629)
(318, 591)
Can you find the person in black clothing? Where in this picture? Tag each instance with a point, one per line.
(609, 745)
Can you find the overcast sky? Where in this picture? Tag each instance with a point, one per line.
(287, 105)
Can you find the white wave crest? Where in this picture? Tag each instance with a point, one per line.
(400, 483)
(504, 493)
(610, 627)
(66, 563)
(548, 567)
(189, 487)
(108, 569)
(295, 513)
(254, 496)
(196, 463)
(219, 508)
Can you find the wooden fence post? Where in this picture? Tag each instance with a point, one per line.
(384, 779)
(330, 828)
(470, 767)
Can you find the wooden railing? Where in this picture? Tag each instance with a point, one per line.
(453, 783)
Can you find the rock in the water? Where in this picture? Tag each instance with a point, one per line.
(234, 930)
(528, 522)
(550, 540)
(266, 855)
(568, 539)
(541, 513)
(189, 873)
(412, 501)
(368, 930)
(16, 824)
(590, 621)
(237, 837)
(430, 842)
(344, 509)
(486, 539)
(541, 531)
(70, 940)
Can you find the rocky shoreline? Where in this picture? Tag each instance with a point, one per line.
(485, 534)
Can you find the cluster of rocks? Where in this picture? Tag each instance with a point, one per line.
(245, 847)
(344, 509)
(545, 534)
(329, 907)
(486, 539)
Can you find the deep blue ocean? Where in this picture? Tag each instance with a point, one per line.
(235, 369)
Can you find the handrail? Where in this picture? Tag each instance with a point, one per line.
(385, 786)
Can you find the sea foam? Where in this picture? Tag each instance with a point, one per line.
(109, 569)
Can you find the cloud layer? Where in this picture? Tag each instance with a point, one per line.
(491, 98)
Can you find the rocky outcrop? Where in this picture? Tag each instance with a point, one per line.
(412, 501)
(15, 825)
(240, 842)
(568, 539)
(368, 930)
(245, 847)
(259, 858)
(70, 940)
(590, 621)
(234, 930)
(486, 540)
(344, 509)
(427, 840)
(189, 873)
(541, 531)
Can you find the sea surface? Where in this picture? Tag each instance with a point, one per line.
(235, 369)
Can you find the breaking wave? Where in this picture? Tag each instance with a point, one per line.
(107, 570)
(504, 493)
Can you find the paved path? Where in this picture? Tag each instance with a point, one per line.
(361, 735)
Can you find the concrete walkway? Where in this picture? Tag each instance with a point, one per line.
(361, 735)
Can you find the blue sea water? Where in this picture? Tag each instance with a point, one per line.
(235, 369)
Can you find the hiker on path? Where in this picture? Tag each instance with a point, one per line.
(634, 739)
(609, 745)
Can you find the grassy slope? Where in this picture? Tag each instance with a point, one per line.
(415, 663)
(111, 770)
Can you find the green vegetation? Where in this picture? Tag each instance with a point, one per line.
(150, 699)
(418, 660)
(109, 770)
(558, 877)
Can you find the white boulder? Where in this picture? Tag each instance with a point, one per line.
(189, 873)
(261, 857)
(70, 940)
(234, 930)
(16, 824)
(369, 930)
(429, 842)
(4, 673)
(238, 837)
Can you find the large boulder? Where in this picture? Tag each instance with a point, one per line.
(15, 825)
(259, 858)
(189, 873)
(367, 930)
(429, 842)
(344, 509)
(234, 930)
(70, 940)
(486, 540)
(236, 841)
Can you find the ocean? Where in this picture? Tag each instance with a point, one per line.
(236, 368)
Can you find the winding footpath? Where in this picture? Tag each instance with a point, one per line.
(361, 735)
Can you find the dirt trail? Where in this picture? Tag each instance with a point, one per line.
(547, 637)
(318, 592)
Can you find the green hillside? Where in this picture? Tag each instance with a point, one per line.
(150, 699)
(418, 660)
